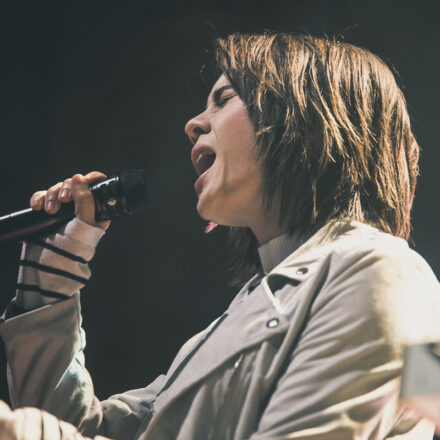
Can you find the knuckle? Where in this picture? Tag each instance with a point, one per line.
(55, 187)
(51, 196)
(37, 198)
(84, 194)
(81, 192)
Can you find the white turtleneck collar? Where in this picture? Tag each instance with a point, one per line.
(276, 250)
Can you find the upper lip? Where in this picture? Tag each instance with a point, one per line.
(195, 152)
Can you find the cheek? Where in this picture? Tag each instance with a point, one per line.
(236, 137)
(239, 126)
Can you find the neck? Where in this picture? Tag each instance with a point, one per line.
(267, 228)
(265, 235)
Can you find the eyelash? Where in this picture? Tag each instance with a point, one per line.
(223, 100)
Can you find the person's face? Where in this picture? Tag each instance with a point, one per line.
(230, 183)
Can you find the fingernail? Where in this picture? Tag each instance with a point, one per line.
(63, 193)
(50, 205)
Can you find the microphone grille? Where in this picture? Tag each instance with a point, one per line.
(137, 197)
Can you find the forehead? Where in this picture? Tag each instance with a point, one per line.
(222, 81)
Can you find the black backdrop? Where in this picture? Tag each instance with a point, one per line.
(109, 85)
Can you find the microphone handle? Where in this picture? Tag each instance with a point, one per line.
(27, 223)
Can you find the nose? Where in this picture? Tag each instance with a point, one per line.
(197, 126)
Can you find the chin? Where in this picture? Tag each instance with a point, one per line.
(210, 206)
(219, 219)
(219, 213)
(203, 211)
(205, 214)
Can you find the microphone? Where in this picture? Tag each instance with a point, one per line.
(123, 194)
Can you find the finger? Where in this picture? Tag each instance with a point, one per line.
(37, 200)
(93, 176)
(84, 202)
(65, 194)
(51, 202)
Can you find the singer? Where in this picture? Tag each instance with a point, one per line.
(305, 150)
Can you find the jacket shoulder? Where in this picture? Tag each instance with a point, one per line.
(381, 255)
(395, 284)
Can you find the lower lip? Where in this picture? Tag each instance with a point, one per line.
(199, 180)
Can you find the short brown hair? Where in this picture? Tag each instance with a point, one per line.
(333, 134)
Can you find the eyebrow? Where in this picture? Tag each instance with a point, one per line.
(218, 92)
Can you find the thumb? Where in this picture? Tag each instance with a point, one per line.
(84, 201)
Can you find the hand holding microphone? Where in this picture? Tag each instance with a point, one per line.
(74, 189)
(90, 198)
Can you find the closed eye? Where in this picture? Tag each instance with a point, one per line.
(223, 100)
(222, 95)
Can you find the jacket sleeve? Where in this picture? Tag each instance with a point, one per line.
(44, 348)
(45, 343)
(342, 378)
(35, 424)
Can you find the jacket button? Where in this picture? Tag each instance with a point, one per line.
(272, 323)
(302, 270)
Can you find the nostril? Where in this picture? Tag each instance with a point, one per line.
(197, 131)
(194, 134)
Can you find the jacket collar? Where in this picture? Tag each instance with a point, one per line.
(317, 244)
(300, 264)
(277, 252)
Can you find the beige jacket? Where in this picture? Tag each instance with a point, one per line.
(314, 351)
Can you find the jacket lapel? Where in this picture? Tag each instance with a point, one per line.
(250, 318)
(245, 325)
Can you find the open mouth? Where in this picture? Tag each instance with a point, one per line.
(204, 160)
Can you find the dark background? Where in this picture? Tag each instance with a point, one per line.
(109, 85)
